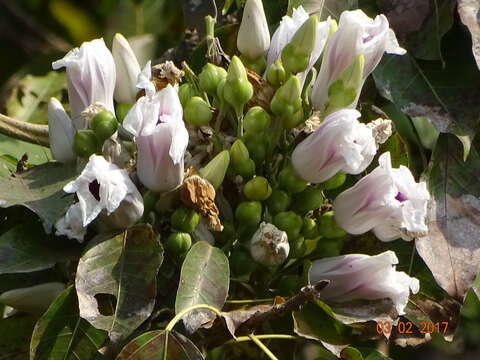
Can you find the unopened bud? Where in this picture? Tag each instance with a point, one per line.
(253, 38)
(296, 55)
(85, 143)
(289, 222)
(256, 120)
(309, 228)
(328, 227)
(308, 200)
(237, 89)
(257, 188)
(185, 93)
(269, 245)
(216, 169)
(249, 213)
(276, 74)
(240, 159)
(197, 112)
(185, 220)
(104, 124)
(178, 243)
(287, 99)
(278, 202)
(290, 181)
(210, 77)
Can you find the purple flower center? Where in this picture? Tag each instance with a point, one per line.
(400, 197)
(94, 188)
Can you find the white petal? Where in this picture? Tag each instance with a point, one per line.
(253, 38)
(60, 132)
(71, 224)
(144, 80)
(127, 69)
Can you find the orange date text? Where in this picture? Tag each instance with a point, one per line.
(407, 327)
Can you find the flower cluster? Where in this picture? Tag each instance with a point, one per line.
(147, 145)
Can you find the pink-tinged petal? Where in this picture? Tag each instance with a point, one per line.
(127, 69)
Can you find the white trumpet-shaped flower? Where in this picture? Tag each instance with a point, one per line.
(60, 132)
(90, 78)
(357, 34)
(253, 37)
(127, 69)
(285, 32)
(387, 201)
(102, 186)
(341, 143)
(358, 276)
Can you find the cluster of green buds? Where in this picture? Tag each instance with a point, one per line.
(90, 141)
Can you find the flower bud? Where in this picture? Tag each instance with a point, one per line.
(289, 222)
(328, 228)
(237, 89)
(387, 201)
(210, 77)
(334, 182)
(185, 220)
(256, 120)
(240, 159)
(178, 243)
(343, 91)
(90, 78)
(197, 112)
(298, 247)
(291, 122)
(104, 125)
(363, 277)
(34, 299)
(257, 149)
(249, 213)
(185, 93)
(216, 169)
(85, 143)
(276, 74)
(341, 143)
(253, 38)
(290, 181)
(269, 246)
(279, 201)
(122, 110)
(60, 132)
(308, 200)
(296, 55)
(309, 228)
(257, 189)
(287, 99)
(127, 69)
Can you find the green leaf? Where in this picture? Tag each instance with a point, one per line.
(40, 190)
(314, 321)
(151, 345)
(350, 353)
(29, 100)
(21, 250)
(451, 249)
(204, 279)
(61, 334)
(116, 280)
(447, 96)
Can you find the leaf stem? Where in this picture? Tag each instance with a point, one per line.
(265, 349)
(182, 313)
(263, 336)
(22, 130)
(249, 301)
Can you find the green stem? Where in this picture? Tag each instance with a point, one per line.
(182, 313)
(265, 349)
(264, 336)
(249, 301)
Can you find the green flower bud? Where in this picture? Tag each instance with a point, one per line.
(241, 262)
(290, 181)
(293, 121)
(185, 93)
(220, 87)
(256, 120)
(240, 159)
(334, 182)
(85, 143)
(309, 228)
(178, 244)
(210, 77)
(246, 170)
(249, 213)
(276, 74)
(298, 247)
(149, 200)
(287, 99)
(296, 55)
(344, 91)
(185, 220)
(104, 124)
(216, 169)
(122, 110)
(289, 285)
(309, 199)
(328, 228)
(279, 201)
(289, 222)
(258, 65)
(237, 89)
(257, 188)
(257, 149)
(197, 112)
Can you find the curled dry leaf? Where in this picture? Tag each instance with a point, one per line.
(199, 194)
(262, 91)
(234, 319)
